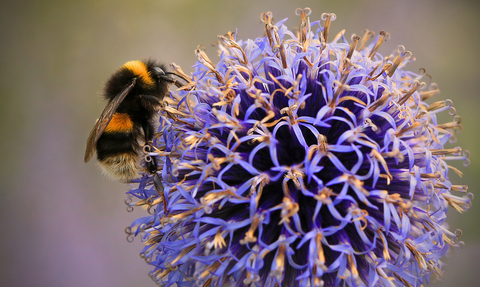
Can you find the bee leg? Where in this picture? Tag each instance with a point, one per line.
(150, 161)
(157, 182)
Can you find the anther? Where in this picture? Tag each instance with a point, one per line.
(327, 17)
(353, 45)
(268, 31)
(433, 90)
(267, 17)
(452, 125)
(409, 93)
(368, 34)
(303, 29)
(306, 11)
(379, 102)
(374, 153)
(384, 69)
(398, 60)
(422, 73)
(282, 56)
(436, 107)
(180, 73)
(340, 88)
(460, 188)
(395, 153)
(454, 151)
(227, 39)
(369, 123)
(203, 58)
(381, 38)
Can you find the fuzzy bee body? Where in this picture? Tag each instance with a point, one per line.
(134, 93)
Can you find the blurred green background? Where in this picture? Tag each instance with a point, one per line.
(63, 223)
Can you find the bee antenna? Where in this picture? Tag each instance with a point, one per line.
(170, 80)
(180, 76)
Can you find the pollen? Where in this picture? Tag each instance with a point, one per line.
(140, 70)
(120, 123)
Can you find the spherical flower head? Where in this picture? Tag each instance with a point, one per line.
(301, 159)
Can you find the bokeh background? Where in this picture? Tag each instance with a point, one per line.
(62, 223)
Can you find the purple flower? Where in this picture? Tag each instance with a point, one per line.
(301, 159)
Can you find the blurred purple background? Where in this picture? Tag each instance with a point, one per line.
(63, 223)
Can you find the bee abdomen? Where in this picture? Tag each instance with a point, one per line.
(117, 149)
(122, 166)
(120, 123)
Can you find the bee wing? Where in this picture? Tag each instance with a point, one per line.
(103, 121)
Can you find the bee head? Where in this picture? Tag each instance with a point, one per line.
(160, 74)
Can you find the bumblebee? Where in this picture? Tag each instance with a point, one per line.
(134, 94)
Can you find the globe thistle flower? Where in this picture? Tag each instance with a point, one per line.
(301, 159)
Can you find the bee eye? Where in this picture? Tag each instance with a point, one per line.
(158, 71)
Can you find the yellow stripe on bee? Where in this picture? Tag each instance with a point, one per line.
(120, 123)
(140, 70)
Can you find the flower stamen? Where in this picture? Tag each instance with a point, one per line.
(353, 46)
(368, 35)
(327, 17)
(203, 58)
(384, 36)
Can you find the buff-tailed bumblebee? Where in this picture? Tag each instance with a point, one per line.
(134, 93)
